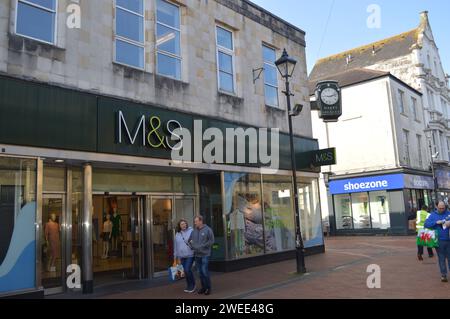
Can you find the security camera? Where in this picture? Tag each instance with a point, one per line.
(298, 108)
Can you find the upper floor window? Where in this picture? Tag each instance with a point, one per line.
(419, 150)
(270, 77)
(414, 108)
(225, 60)
(130, 33)
(401, 101)
(448, 147)
(430, 99)
(444, 108)
(36, 19)
(406, 144)
(168, 43)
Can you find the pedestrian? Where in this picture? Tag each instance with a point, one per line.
(422, 216)
(440, 221)
(184, 253)
(201, 241)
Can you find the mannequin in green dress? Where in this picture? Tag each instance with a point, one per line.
(116, 226)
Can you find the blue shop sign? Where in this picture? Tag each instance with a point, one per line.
(443, 178)
(367, 184)
(418, 182)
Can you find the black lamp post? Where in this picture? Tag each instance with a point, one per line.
(286, 67)
(429, 135)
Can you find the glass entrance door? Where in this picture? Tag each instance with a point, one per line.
(136, 237)
(162, 233)
(117, 237)
(166, 212)
(184, 209)
(53, 243)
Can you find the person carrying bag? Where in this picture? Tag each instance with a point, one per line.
(184, 253)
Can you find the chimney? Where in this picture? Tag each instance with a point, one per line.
(424, 18)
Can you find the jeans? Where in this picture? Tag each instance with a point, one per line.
(420, 251)
(202, 265)
(444, 256)
(187, 266)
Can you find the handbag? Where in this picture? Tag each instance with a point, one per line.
(176, 272)
(428, 238)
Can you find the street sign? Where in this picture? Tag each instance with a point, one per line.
(329, 100)
(316, 159)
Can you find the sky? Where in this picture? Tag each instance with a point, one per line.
(334, 26)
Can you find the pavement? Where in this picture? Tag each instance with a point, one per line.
(340, 273)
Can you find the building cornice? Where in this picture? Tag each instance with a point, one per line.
(256, 13)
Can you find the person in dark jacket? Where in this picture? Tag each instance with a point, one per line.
(201, 241)
(440, 220)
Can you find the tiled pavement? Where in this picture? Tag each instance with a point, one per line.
(339, 273)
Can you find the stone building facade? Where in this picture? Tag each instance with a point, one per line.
(84, 59)
(91, 93)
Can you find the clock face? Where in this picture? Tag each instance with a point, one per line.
(329, 96)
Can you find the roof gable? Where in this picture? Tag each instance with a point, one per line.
(367, 55)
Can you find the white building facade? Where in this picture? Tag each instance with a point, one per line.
(413, 57)
(381, 175)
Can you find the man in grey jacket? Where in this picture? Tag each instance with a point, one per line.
(201, 241)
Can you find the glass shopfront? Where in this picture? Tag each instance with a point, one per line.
(278, 207)
(18, 188)
(310, 212)
(260, 214)
(244, 215)
(373, 203)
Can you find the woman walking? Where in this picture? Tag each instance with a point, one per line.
(183, 251)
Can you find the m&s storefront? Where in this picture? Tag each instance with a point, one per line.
(377, 204)
(72, 161)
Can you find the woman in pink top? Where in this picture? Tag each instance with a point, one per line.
(52, 240)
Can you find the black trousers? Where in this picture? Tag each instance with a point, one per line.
(420, 251)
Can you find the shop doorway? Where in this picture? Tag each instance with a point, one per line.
(53, 240)
(117, 237)
(166, 211)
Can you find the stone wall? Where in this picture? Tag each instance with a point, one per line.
(83, 59)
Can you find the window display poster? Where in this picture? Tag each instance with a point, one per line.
(17, 272)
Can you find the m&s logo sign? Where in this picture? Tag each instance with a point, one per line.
(151, 132)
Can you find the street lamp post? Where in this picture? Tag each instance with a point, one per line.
(286, 66)
(429, 135)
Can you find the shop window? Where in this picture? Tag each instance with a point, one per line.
(379, 209)
(225, 60)
(210, 194)
(130, 33)
(17, 224)
(168, 43)
(36, 19)
(343, 211)
(279, 219)
(270, 77)
(310, 216)
(361, 210)
(244, 216)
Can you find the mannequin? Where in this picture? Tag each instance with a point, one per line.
(106, 236)
(52, 240)
(116, 226)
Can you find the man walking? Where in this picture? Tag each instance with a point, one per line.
(201, 241)
(422, 216)
(440, 221)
